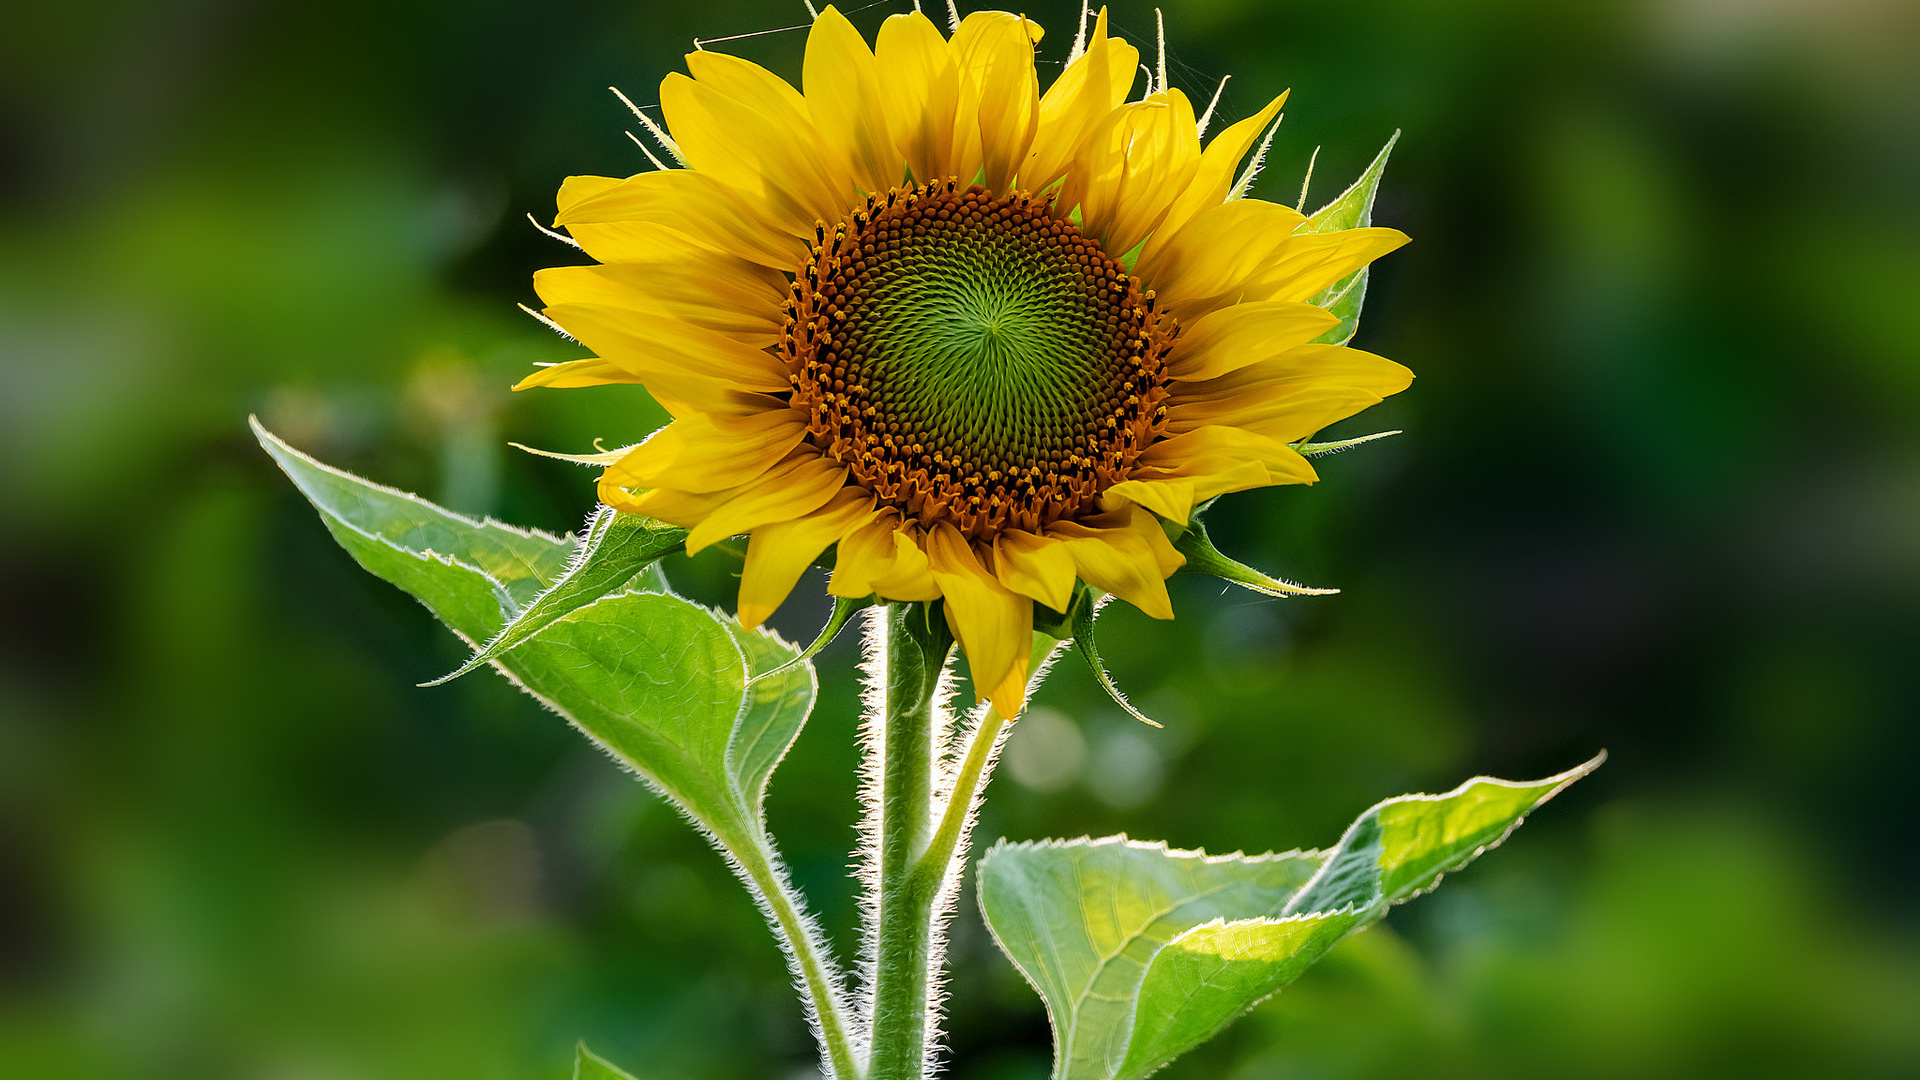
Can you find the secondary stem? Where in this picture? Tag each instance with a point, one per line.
(957, 815)
(822, 987)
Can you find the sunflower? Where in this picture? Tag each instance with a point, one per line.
(988, 342)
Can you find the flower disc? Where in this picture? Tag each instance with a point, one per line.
(975, 359)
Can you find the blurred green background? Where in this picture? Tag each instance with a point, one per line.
(1659, 493)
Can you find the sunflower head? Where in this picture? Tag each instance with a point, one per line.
(992, 346)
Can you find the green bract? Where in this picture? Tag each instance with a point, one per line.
(1352, 210)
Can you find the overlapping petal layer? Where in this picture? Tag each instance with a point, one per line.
(701, 270)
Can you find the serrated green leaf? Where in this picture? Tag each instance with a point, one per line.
(657, 680)
(472, 574)
(1141, 952)
(779, 696)
(1401, 847)
(588, 1065)
(1205, 978)
(1082, 919)
(1352, 210)
(612, 549)
(459, 594)
(1203, 558)
(660, 683)
(521, 563)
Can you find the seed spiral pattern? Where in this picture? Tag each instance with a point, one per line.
(975, 359)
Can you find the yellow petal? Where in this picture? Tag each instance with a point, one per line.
(700, 453)
(1299, 369)
(1171, 499)
(1290, 396)
(1149, 529)
(1218, 476)
(677, 391)
(655, 345)
(1011, 695)
(1284, 415)
(577, 190)
(1233, 337)
(800, 486)
(920, 94)
(1215, 254)
(993, 624)
(706, 125)
(866, 552)
(619, 498)
(1035, 566)
(1220, 459)
(1123, 559)
(1308, 263)
(1245, 251)
(577, 373)
(750, 84)
(883, 556)
(1219, 165)
(671, 505)
(716, 293)
(999, 90)
(1090, 88)
(774, 162)
(643, 278)
(778, 131)
(778, 554)
(1131, 168)
(606, 217)
(843, 94)
(1298, 416)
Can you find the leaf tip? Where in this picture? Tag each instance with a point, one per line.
(273, 444)
(1583, 769)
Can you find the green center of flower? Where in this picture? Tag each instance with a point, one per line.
(975, 359)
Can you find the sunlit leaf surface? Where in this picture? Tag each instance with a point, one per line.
(613, 549)
(1141, 952)
(659, 682)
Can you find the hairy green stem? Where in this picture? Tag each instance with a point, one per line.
(956, 817)
(822, 988)
(906, 935)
